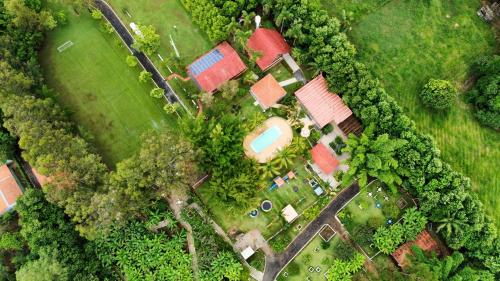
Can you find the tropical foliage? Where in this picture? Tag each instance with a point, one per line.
(485, 96)
(388, 238)
(234, 176)
(343, 270)
(143, 255)
(373, 156)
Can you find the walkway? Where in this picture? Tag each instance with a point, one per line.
(274, 264)
(146, 63)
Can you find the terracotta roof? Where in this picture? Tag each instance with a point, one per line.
(267, 91)
(424, 241)
(322, 105)
(217, 66)
(270, 44)
(9, 189)
(39, 177)
(324, 158)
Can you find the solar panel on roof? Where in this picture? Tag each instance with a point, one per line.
(206, 62)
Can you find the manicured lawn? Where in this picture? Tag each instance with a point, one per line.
(238, 219)
(189, 40)
(372, 207)
(106, 100)
(405, 43)
(313, 255)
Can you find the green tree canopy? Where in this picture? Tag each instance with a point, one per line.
(148, 41)
(45, 268)
(438, 94)
(372, 156)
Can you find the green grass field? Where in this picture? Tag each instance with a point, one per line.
(95, 84)
(171, 20)
(404, 43)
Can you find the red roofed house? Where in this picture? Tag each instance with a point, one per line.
(324, 159)
(216, 67)
(270, 45)
(424, 241)
(10, 189)
(267, 91)
(322, 105)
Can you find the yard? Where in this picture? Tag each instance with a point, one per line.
(171, 21)
(104, 96)
(374, 206)
(404, 43)
(315, 259)
(296, 192)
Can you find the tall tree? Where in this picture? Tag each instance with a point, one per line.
(373, 156)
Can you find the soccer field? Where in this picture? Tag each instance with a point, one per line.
(404, 43)
(103, 94)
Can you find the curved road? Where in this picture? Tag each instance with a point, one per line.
(123, 32)
(276, 263)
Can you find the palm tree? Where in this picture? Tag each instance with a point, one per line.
(268, 170)
(299, 145)
(450, 224)
(284, 158)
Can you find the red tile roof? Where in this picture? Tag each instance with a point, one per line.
(324, 158)
(267, 91)
(270, 44)
(322, 105)
(424, 241)
(226, 66)
(9, 189)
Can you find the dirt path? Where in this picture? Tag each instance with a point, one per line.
(175, 206)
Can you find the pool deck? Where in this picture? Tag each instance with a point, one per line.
(269, 152)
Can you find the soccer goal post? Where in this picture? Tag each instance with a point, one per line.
(65, 46)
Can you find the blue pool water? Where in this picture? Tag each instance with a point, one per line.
(265, 139)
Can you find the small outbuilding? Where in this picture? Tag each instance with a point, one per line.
(269, 45)
(247, 252)
(289, 213)
(267, 92)
(10, 189)
(322, 105)
(216, 67)
(424, 241)
(324, 159)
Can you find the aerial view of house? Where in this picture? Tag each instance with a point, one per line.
(203, 140)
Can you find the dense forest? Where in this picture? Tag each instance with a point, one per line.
(74, 229)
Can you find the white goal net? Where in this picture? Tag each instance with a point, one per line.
(65, 46)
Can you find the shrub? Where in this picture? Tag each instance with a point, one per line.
(327, 129)
(315, 136)
(438, 94)
(344, 251)
(293, 269)
(325, 245)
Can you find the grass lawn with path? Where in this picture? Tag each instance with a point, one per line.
(404, 43)
(313, 255)
(102, 93)
(368, 210)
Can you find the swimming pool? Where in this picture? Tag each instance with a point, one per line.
(265, 139)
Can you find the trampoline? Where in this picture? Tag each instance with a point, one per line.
(266, 205)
